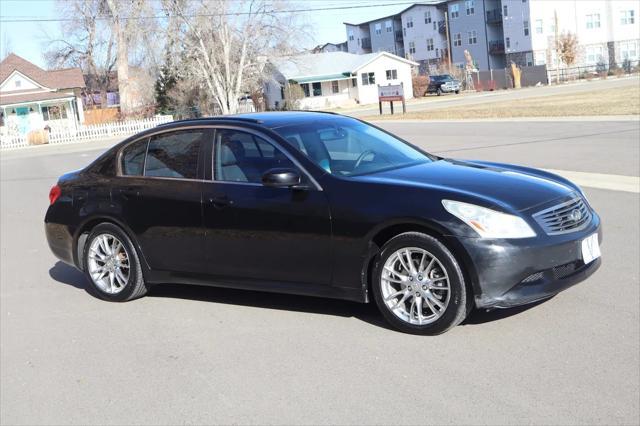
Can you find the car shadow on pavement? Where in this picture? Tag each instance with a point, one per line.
(368, 313)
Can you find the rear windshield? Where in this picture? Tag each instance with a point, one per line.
(348, 147)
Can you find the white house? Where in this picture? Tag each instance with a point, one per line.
(338, 78)
(32, 98)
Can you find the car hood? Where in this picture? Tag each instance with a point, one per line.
(504, 185)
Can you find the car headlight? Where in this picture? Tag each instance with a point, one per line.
(489, 223)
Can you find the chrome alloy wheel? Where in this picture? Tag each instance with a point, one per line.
(108, 263)
(415, 286)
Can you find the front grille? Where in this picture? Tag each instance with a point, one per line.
(569, 216)
(565, 270)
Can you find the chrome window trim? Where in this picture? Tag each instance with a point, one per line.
(212, 180)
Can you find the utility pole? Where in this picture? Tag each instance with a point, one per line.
(446, 28)
(555, 25)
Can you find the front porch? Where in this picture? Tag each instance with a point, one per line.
(55, 114)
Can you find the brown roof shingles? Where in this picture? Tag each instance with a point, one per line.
(69, 78)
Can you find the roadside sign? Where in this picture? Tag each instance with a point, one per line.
(391, 93)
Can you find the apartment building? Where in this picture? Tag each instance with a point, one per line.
(498, 32)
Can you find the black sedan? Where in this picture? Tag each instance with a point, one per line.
(324, 205)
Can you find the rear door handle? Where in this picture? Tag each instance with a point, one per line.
(221, 201)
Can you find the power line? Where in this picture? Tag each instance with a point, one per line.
(212, 15)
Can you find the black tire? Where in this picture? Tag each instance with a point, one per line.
(135, 286)
(457, 91)
(460, 302)
(439, 92)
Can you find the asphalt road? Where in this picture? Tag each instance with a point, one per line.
(206, 355)
(433, 102)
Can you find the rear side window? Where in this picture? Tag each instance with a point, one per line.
(133, 158)
(174, 155)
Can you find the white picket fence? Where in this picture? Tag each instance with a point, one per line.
(88, 133)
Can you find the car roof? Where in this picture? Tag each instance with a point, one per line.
(272, 119)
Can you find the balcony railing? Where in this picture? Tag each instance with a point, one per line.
(496, 47)
(494, 17)
(399, 37)
(442, 28)
(366, 43)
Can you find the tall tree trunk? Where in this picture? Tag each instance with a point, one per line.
(122, 59)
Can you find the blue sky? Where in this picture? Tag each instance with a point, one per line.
(28, 39)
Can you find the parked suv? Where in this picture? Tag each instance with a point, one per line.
(440, 84)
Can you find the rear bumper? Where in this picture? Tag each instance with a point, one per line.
(60, 242)
(519, 272)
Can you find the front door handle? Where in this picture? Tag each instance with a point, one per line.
(221, 201)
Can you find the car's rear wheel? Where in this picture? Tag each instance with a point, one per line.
(112, 264)
(419, 286)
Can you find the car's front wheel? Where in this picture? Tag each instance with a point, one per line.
(418, 285)
(439, 91)
(112, 265)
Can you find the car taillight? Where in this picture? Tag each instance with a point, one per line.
(54, 194)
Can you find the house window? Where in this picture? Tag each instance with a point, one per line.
(429, 44)
(18, 83)
(368, 78)
(473, 37)
(539, 26)
(351, 36)
(525, 24)
(627, 17)
(317, 89)
(508, 42)
(594, 54)
(378, 28)
(427, 17)
(628, 50)
(334, 87)
(529, 59)
(454, 11)
(505, 10)
(470, 5)
(54, 112)
(305, 89)
(354, 82)
(434, 25)
(410, 22)
(412, 47)
(541, 57)
(388, 25)
(593, 21)
(392, 74)
(457, 39)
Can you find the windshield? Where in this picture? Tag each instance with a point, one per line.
(348, 147)
(441, 78)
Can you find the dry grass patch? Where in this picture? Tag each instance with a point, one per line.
(618, 101)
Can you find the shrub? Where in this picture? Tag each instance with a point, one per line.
(420, 84)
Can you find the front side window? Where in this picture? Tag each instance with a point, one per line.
(133, 158)
(243, 157)
(346, 147)
(174, 155)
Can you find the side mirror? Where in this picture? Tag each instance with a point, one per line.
(281, 178)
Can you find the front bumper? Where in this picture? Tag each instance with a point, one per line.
(517, 272)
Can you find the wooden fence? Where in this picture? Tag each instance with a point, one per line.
(87, 133)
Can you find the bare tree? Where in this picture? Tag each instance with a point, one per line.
(86, 42)
(568, 48)
(225, 44)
